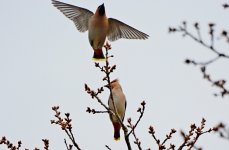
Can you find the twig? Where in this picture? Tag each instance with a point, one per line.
(218, 83)
(161, 145)
(183, 29)
(194, 134)
(69, 147)
(225, 35)
(222, 131)
(65, 124)
(190, 139)
(137, 141)
(206, 63)
(107, 147)
(10, 145)
(107, 69)
(198, 39)
(132, 127)
(93, 111)
(141, 111)
(46, 143)
(168, 136)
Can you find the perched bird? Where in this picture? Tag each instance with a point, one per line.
(120, 104)
(98, 25)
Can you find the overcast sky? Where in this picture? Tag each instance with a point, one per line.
(45, 61)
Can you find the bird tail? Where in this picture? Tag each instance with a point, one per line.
(116, 131)
(98, 54)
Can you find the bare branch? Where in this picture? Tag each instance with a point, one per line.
(222, 130)
(65, 124)
(68, 146)
(206, 63)
(218, 83)
(46, 144)
(141, 111)
(161, 145)
(107, 69)
(10, 145)
(93, 111)
(107, 147)
(137, 141)
(193, 135)
(183, 29)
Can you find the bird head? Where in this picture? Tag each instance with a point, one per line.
(101, 10)
(114, 84)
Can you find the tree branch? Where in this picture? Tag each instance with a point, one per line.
(107, 147)
(203, 65)
(107, 69)
(65, 124)
(161, 145)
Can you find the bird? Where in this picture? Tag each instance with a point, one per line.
(99, 27)
(120, 104)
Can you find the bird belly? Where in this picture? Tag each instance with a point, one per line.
(97, 32)
(120, 106)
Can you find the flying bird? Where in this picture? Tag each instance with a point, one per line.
(120, 104)
(98, 25)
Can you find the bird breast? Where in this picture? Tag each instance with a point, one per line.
(119, 101)
(97, 31)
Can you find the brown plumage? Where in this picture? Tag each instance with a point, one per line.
(98, 25)
(120, 104)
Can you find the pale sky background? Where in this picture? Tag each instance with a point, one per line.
(45, 61)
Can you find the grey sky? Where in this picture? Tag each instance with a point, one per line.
(45, 61)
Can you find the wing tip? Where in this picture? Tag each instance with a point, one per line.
(143, 36)
(54, 1)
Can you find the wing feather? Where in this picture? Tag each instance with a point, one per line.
(118, 29)
(78, 15)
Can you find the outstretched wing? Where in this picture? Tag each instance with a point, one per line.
(118, 29)
(78, 15)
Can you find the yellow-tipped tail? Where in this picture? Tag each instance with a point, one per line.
(117, 139)
(116, 131)
(99, 59)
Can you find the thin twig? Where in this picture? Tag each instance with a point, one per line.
(137, 141)
(194, 134)
(161, 146)
(10, 145)
(69, 147)
(65, 124)
(107, 69)
(183, 29)
(210, 47)
(107, 147)
(222, 130)
(140, 117)
(93, 111)
(46, 143)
